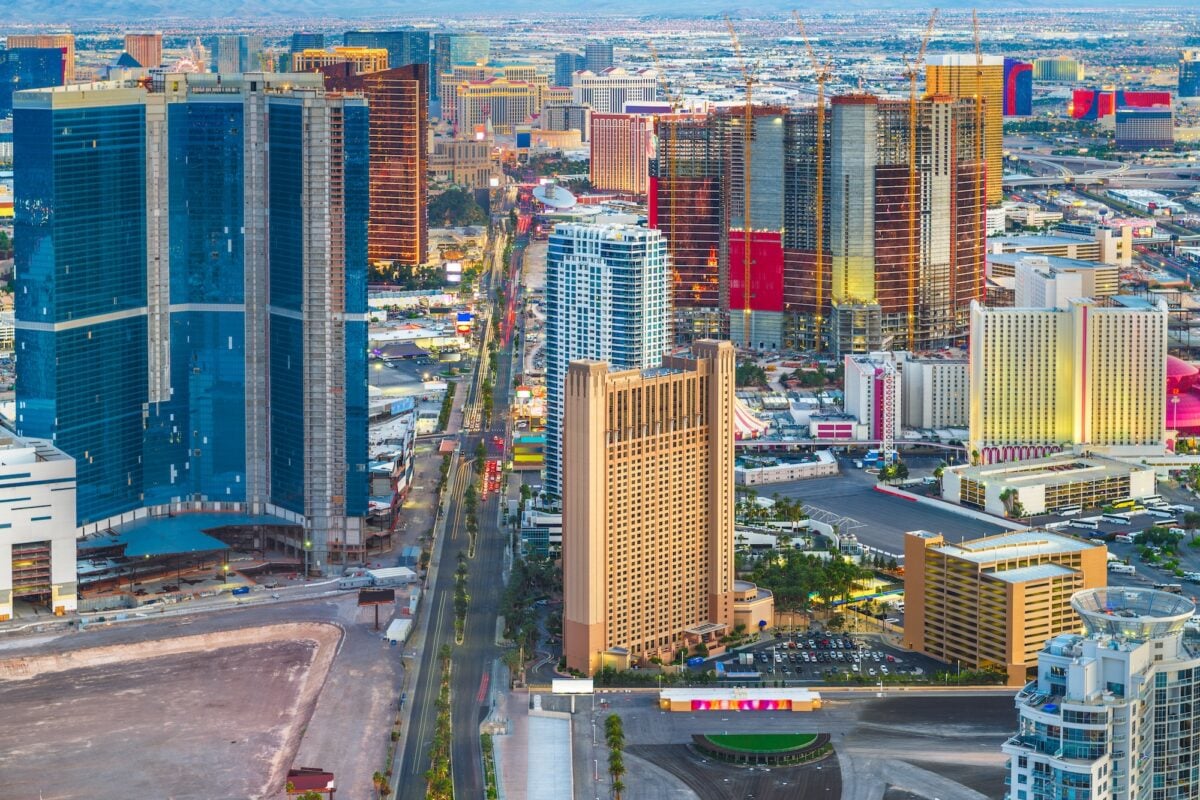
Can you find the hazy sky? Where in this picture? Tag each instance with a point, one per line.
(145, 11)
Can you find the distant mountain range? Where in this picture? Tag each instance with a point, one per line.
(146, 11)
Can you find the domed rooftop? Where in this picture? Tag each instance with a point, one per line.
(1183, 396)
(1132, 613)
(1180, 374)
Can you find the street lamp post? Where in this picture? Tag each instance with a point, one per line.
(307, 547)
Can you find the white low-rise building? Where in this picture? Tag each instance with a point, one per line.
(758, 470)
(37, 525)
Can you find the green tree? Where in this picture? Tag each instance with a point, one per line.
(454, 208)
(750, 374)
(1161, 538)
(480, 456)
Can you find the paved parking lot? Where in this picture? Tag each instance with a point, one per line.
(882, 519)
(830, 657)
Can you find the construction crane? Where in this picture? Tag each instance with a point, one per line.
(747, 71)
(821, 74)
(912, 69)
(979, 151)
(672, 154)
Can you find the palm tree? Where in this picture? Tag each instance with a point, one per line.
(617, 788)
(377, 780)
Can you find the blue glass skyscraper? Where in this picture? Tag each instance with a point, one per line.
(29, 68)
(149, 345)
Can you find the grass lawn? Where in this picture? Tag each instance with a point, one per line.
(763, 742)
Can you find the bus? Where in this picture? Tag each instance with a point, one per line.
(1152, 500)
(1127, 503)
(1120, 519)
(1087, 524)
(1070, 511)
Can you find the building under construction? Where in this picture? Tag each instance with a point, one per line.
(685, 204)
(903, 237)
(873, 239)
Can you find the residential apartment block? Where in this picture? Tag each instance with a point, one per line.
(607, 299)
(936, 393)
(145, 49)
(621, 146)
(963, 76)
(188, 355)
(608, 90)
(399, 102)
(1112, 713)
(60, 41)
(364, 59)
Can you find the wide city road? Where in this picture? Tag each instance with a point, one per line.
(473, 659)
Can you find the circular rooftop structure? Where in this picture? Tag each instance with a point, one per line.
(1131, 613)
(554, 196)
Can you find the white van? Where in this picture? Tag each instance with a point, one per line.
(1122, 569)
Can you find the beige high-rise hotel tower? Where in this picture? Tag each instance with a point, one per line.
(648, 562)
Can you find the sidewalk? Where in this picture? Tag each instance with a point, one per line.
(410, 654)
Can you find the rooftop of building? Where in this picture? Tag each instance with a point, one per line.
(15, 449)
(1051, 470)
(832, 416)
(177, 533)
(1010, 545)
(1132, 301)
(747, 693)
(1038, 572)
(1052, 262)
(963, 60)
(609, 231)
(1132, 613)
(1038, 240)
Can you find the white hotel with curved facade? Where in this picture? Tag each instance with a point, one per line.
(1113, 714)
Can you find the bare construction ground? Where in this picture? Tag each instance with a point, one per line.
(218, 715)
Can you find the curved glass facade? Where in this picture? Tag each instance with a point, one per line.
(1133, 614)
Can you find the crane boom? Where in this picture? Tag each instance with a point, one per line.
(913, 70)
(979, 151)
(671, 155)
(821, 72)
(747, 134)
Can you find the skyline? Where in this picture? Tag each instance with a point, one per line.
(302, 11)
(441, 371)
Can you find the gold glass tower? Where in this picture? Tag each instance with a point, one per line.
(955, 75)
